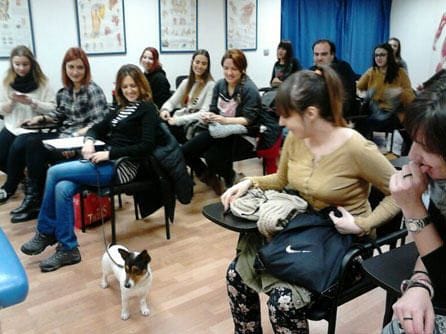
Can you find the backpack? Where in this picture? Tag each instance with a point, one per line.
(307, 252)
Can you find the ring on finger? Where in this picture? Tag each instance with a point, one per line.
(407, 318)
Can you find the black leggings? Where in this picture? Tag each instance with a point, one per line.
(217, 153)
(13, 156)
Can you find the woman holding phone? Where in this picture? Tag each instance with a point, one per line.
(25, 93)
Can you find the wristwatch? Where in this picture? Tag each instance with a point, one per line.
(416, 225)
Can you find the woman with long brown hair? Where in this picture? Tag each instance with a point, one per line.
(26, 93)
(130, 130)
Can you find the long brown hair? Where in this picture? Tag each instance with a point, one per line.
(37, 73)
(73, 54)
(321, 89)
(145, 93)
(191, 78)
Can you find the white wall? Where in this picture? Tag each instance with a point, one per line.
(415, 23)
(55, 30)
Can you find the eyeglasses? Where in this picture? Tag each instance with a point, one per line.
(380, 55)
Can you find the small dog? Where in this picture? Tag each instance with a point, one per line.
(133, 272)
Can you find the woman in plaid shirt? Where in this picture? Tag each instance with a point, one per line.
(80, 104)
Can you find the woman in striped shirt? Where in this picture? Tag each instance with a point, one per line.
(130, 130)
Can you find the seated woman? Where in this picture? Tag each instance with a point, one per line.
(80, 104)
(285, 65)
(192, 98)
(155, 75)
(329, 164)
(25, 94)
(130, 130)
(236, 101)
(420, 191)
(389, 90)
(396, 47)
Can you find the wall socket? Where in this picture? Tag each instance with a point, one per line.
(266, 52)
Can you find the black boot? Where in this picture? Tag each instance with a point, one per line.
(26, 201)
(30, 207)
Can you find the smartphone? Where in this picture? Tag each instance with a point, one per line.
(18, 94)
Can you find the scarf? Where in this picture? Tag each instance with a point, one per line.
(24, 84)
(438, 195)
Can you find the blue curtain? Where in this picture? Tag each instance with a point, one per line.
(355, 26)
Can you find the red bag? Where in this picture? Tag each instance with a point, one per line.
(92, 209)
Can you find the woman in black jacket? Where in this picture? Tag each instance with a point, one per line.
(156, 76)
(130, 130)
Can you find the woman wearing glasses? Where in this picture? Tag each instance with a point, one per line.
(388, 90)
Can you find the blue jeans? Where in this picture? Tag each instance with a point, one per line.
(63, 181)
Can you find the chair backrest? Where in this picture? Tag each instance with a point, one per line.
(179, 79)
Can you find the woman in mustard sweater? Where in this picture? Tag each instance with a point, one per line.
(388, 88)
(329, 164)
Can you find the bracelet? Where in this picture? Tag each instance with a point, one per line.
(89, 138)
(420, 272)
(407, 284)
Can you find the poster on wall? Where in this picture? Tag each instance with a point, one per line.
(101, 26)
(241, 24)
(15, 26)
(178, 25)
(439, 45)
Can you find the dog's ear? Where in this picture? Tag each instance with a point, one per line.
(145, 256)
(124, 253)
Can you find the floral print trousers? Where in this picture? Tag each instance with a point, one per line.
(245, 308)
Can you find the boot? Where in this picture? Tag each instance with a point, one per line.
(30, 206)
(26, 201)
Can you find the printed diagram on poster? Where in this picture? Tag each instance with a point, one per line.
(241, 24)
(441, 46)
(178, 25)
(15, 26)
(101, 26)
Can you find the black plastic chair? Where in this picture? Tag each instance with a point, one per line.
(179, 79)
(158, 180)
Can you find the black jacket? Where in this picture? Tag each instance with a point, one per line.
(171, 160)
(160, 86)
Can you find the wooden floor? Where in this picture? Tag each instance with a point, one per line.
(188, 293)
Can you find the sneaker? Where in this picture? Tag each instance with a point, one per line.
(38, 244)
(62, 257)
(4, 196)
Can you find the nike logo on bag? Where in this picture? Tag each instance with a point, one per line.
(290, 250)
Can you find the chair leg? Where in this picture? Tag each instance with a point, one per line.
(167, 221)
(332, 320)
(135, 206)
(120, 201)
(113, 220)
(81, 203)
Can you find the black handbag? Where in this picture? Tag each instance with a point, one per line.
(307, 252)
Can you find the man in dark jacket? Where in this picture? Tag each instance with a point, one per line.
(324, 53)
